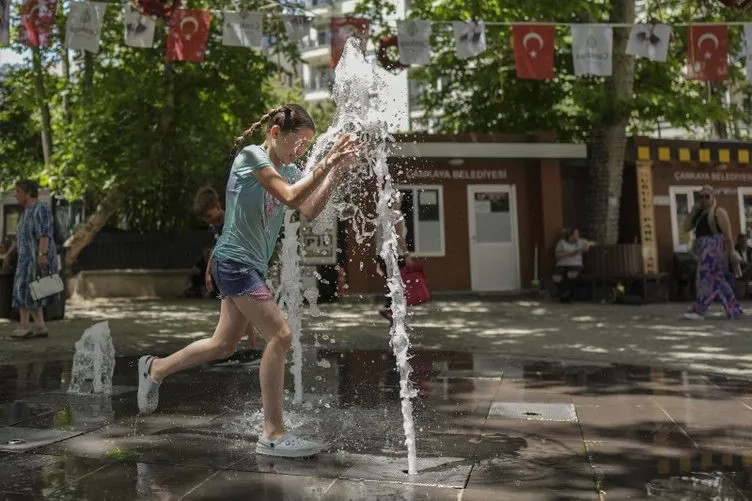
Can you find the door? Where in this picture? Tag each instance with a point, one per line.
(494, 259)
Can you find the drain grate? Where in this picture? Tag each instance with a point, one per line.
(533, 411)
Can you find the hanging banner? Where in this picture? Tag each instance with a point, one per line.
(37, 20)
(189, 31)
(344, 28)
(414, 41)
(297, 27)
(534, 51)
(748, 40)
(4, 22)
(708, 53)
(647, 218)
(83, 26)
(139, 29)
(470, 38)
(242, 29)
(592, 49)
(649, 41)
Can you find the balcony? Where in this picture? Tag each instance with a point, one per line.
(316, 50)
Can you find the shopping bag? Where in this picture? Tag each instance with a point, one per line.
(416, 287)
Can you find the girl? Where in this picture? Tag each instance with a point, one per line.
(262, 182)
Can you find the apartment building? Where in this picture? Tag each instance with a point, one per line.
(402, 113)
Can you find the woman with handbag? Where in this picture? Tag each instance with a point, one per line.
(714, 249)
(37, 256)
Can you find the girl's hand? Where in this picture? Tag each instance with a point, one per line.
(345, 152)
(43, 261)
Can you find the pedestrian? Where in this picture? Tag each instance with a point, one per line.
(263, 180)
(713, 247)
(568, 254)
(36, 256)
(403, 259)
(206, 205)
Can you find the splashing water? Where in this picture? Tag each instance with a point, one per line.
(291, 298)
(93, 362)
(359, 98)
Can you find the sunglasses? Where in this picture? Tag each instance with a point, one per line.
(706, 196)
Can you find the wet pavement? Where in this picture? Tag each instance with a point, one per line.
(488, 427)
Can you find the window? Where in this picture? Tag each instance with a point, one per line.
(423, 210)
(682, 200)
(745, 210)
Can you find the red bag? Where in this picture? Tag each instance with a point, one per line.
(416, 287)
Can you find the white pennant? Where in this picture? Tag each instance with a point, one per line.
(470, 38)
(748, 43)
(4, 22)
(414, 40)
(298, 27)
(649, 41)
(242, 29)
(592, 49)
(139, 29)
(84, 25)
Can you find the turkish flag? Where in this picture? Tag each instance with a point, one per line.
(534, 51)
(708, 53)
(342, 29)
(189, 32)
(37, 20)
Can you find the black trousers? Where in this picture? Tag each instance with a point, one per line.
(568, 281)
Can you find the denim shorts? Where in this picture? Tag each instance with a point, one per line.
(236, 279)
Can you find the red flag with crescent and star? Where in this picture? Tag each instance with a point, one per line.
(189, 32)
(708, 53)
(344, 28)
(534, 51)
(37, 21)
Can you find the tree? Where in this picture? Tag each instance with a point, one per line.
(137, 136)
(484, 94)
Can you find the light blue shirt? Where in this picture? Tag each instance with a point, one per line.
(253, 217)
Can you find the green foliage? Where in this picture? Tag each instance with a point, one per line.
(156, 130)
(483, 94)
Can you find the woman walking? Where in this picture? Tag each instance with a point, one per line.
(37, 255)
(262, 182)
(714, 249)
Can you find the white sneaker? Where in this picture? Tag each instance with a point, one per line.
(691, 315)
(288, 446)
(148, 388)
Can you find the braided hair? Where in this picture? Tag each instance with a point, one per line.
(289, 118)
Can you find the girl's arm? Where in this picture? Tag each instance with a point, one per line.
(312, 206)
(293, 195)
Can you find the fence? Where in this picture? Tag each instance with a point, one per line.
(114, 251)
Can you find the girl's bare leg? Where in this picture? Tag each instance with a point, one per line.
(230, 329)
(266, 316)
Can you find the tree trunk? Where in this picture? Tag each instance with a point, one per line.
(44, 109)
(608, 137)
(85, 233)
(88, 81)
(65, 64)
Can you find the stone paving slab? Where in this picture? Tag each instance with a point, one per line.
(635, 427)
(649, 335)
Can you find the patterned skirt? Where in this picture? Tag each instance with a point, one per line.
(714, 281)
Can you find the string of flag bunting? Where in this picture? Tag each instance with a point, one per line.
(534, 43)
